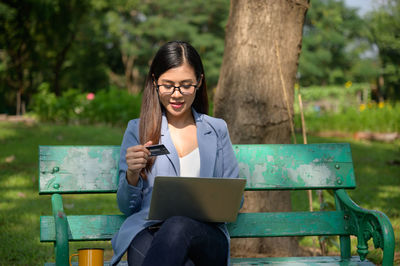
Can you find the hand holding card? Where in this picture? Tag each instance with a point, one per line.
(156, 150)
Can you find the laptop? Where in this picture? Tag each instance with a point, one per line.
(204, 199)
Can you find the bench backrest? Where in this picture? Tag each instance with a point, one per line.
(94, 169)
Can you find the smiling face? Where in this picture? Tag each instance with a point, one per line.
(176, 104)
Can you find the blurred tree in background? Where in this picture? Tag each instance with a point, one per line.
(341, 46)
(90, 45)
(332, 44)
(93, 45)
(384, 31)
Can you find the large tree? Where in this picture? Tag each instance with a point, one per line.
(262, 47)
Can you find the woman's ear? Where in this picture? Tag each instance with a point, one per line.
(153, 80)
(200, 81)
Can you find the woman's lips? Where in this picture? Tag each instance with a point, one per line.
(176, 105)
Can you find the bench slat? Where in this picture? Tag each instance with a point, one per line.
(334, 260)
(78, 169)
(103, 227)
(312, 166)
(289, 224)
(83, 227)
(94, 169)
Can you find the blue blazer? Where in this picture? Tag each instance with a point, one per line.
(217, 159)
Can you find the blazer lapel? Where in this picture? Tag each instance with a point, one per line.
(207, 141)
(167, 141)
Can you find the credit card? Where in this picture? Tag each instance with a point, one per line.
(156, 150)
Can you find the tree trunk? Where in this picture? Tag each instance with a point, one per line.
(131, 74)
(60, 60)
(18, 104)
(262, 47)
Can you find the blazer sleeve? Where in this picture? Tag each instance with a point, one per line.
(129, 197)
(230, 164)
(231, 167)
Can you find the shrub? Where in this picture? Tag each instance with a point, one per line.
(112, 106)
(382, 117)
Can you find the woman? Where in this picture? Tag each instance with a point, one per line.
(173, 113)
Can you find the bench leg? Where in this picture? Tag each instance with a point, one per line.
(61, 245)
(345, 247)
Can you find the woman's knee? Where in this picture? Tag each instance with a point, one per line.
(177, 230)
(179, 225)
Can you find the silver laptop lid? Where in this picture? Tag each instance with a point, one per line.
(204, 199)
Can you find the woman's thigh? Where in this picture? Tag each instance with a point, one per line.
(203, 243)
(139, 247)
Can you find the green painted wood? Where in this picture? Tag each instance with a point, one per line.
(87, 169)
(289, 166)
(61, 231)
(289, 224)
(103, 227)
(83, 227)
(334, 260)
(367, 224)
(78, 169)
(94, 169)
(345, 243)
(353, 261)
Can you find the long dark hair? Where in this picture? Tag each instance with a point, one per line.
(171, 55)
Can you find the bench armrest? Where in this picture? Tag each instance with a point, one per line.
(367, 224)
(61, 224)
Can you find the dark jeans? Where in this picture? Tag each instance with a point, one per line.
(179, 241)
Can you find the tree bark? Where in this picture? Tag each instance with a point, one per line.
(263, 37)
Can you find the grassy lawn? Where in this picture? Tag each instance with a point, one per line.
(378, 186)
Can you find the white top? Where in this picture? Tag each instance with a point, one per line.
(190, 164)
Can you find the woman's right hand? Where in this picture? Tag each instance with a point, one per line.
(136, 159)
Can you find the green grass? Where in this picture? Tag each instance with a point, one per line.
(21, 206)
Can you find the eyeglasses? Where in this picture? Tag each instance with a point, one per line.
(168, 89)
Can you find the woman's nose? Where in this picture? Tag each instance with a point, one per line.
(176, 93)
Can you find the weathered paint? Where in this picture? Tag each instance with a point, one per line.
(64, 169)
(289, 224)
(288, 166)
(88, 169)
(83, 227)
(74, 169)
(103, 227)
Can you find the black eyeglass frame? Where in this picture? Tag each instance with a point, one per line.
(196, 88)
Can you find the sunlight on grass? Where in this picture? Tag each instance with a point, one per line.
(7, 131)
(15, 181)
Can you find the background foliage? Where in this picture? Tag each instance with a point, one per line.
(90, 45)
(101, 45)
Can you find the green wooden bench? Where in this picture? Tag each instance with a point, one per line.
(93, 169)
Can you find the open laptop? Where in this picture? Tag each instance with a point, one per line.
(204, 199)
